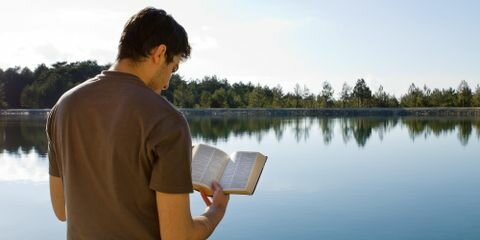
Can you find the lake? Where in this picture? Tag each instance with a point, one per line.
(325, 178)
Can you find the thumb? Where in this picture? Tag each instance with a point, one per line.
(216, 186)
(206, 199)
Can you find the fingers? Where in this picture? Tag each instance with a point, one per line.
(218, 190)
(220, 198)
(217, 187)
(205, 198)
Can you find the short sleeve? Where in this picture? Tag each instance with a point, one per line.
(170, 147)
(53, 168)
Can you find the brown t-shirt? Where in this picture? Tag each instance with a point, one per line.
(114, 142)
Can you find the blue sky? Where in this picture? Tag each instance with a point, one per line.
(389, 43)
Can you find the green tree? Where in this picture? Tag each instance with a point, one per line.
(234, 99)
(205, 100)
(20, 87)
(176, 81)
(414, 97)
(213, 83)
(219, 99)
(476, 97)
(449, 97)
(427, 93)
(290, 101)
(183, 96)
(345, 94)
(362, 92)
(241, 92)
(277, 97)
(326, 96)
(309, 101)
(298, 93)
(3, 103)
(49, 84)
(436, 98)
(256, 98)
(15, 80)
(392, 101)
(464, 95)
(381, 97)
(30, 97)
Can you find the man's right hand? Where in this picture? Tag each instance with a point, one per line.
(219, 200)
(176, 221)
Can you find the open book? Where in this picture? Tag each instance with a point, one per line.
(237, 173)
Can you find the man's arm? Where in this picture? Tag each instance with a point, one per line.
(57, 198)
(176, 221)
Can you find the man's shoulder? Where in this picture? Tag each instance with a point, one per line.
(164, 111)
(73, 92)
(118, 93)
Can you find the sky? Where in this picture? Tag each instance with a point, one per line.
(272, 42)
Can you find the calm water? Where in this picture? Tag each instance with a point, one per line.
(326, 178)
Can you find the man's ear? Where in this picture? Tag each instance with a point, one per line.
(159, 54)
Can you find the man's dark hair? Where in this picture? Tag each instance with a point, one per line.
(149, 28)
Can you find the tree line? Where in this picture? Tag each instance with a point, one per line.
(41, 88)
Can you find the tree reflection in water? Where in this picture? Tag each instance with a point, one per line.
(427, 126)
(477, 126)
(23, 134)
(359, 128)
(26, 133)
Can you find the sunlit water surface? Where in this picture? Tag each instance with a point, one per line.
(326, 178)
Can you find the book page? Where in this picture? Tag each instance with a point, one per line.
(238, 170)
(208, 164)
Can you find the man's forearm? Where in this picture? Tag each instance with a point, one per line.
(207, 222)
(57, 198)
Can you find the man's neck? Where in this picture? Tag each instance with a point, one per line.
(127, 66)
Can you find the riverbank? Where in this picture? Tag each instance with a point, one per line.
(292, 112)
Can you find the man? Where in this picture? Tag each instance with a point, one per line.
(120, 154)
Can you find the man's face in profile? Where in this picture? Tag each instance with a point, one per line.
(162, 77)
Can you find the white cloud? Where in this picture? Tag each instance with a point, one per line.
(201, 43)
(283, 24)
(50, 52)
(205, 28)
(286, 45)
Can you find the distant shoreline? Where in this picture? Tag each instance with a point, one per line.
(292, 112)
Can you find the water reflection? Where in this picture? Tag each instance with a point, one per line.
(426, 127)
(23, 145)
(213, 129)
(23, 166)
(24, 133)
